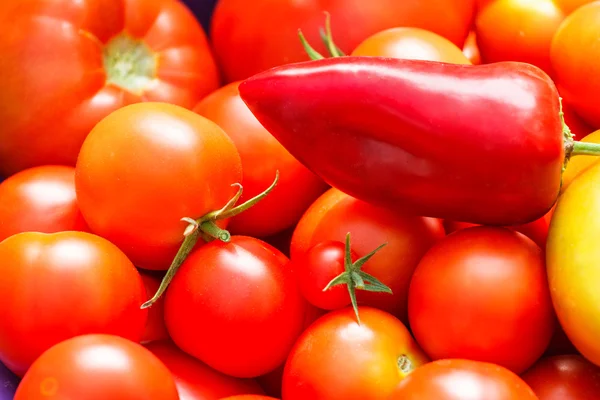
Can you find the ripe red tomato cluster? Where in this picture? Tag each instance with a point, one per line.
(157, 242)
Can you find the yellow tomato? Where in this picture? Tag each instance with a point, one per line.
(573, 262)
(579, 164)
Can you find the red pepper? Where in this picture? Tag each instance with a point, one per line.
(484, 144)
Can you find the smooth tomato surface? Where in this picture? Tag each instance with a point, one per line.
(572, 256)
(564, 377)
(573, 54)
(516, 30)
(262, 155)
(155, 324)
(568, 6)
(408, 237)
(457, 379)
(197, 381)
(146, 166)
(250, 37)
(97, 367)
(60, 285)
(249, 397)
(336, 358)
(411, 43)
(482, 294)
(40, 199)
(67, 64)
(236, 307)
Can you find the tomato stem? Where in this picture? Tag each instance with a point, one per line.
(327, 38)
(312, 53)
(205, 227)
(354, 278)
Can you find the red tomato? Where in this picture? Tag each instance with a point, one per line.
(482, 294)
(516, 30)
(470, 49)
(579, 128)
(408, 237)
(336, 358)
(411, 43)
(155, 325)
(249, 397)
(262, 155)
(236, 307)
(195, 380)
(60, 285)
(461, 380)
(40, 199)
(316, 268)
(146, 166)
(97, 367)
(574, 53)
(267, 34)
(564, 377)
(67, 64)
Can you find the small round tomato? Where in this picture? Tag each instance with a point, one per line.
(262, 155)
(470, 49)
(196, 380)
(236, 307)
(60, 285)
(337, 358)
(408, 237)
(144, 168)
(482, 294)
(40, 199)
(516, 30)
(457, 379)
(97, 367)
(564, 377)
(155, 325)
(572, 256)
(574, 53)
(411, 43)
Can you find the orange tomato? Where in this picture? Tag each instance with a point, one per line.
(517, 30)
(575, 52)
(411, 43)
(568, 6)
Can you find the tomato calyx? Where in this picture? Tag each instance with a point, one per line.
(129, 64)
(326, 37)
(206, 228)
(354, 278)
(404, 364)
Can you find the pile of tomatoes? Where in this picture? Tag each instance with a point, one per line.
(156, 242)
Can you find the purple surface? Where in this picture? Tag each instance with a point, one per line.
(203, 10)
(8, 383)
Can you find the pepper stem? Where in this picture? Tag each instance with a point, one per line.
(205, 227)
(585, 149)
(354, 278)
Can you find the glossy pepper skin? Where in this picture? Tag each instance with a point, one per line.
(481, 144)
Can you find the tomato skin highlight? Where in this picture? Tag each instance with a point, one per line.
(44, 275)
(457, 379)
(55, 76)
(336, 358)
(97, 367)
(40, 199)
(251, 309)
(472, 292)
(146, 166)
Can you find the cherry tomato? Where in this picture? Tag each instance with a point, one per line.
(267, 34)
(579, 164)
(40, 199)
(564, 377)
(411, 43)
(516, 30)
(236, 307)
(316, 268)
(262, 155)
(482, 294)
(60, 285)
(67, 64)
(146, 166)
(195, 380)
(457, 379)
(574, 52)
(470, 49)
(572, 255)
(155, 325)
(408, 237)
(336, 358)
(97, 367)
